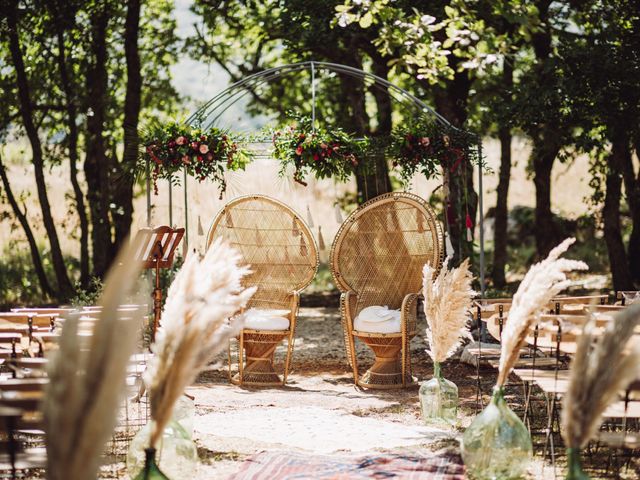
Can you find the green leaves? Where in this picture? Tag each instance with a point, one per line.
(366, 20)
(427, 147)
(325, 153)
(203, 154)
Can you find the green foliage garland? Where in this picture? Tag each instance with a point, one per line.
(325, 153)
(422, 146)
(203, 153)
(426, 147)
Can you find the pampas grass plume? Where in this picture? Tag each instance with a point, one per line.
(598, 374)
(86, 385)
(543, 281)
(197, 321)
(447, 300)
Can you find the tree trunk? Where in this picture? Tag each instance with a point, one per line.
(542, 157)
(546, 145)
(45, 287)
(353, 90)
(381, 95)
(632, 190)
(620, 272)
(502, 212)
(72, 144)
(377, 182)
(65, 289)
(123, 186)
(451, 102)
(97, 163)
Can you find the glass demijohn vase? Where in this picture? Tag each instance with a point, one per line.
(176, 453)
(497, 445)
(438, 399)
(150, 470)
(574, 465)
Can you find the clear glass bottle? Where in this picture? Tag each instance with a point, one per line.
(497, 445)
(150, 471)
(574, 465)
(439, 399)
(176, 454)
(184, 412)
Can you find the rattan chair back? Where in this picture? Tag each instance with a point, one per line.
(274, 241)
(381, 248)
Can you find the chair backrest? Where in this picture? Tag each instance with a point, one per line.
(274, 241)
(381, 248)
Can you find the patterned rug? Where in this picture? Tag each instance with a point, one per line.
(289, 466)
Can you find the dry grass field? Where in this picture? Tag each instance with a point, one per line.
(570, 186)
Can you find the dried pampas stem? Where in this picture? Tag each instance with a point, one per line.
(447, 301)
(598, 374)
(85, 386)
(542, 282)
(196, 324)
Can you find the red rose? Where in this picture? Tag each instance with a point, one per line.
(316, 157)
(299, 150)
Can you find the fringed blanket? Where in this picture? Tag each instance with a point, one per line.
(289, 466)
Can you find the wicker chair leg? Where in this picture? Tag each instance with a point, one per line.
(241, 357)
(405, 351)
(350, 344)
(287, 363)
(354, 359)
(404, 361)
(229, 359)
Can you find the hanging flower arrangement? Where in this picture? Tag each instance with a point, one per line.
(429, 148)
(325, 153)
(203, 154)
(432, 149)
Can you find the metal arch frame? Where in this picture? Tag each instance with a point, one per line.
(219, 104)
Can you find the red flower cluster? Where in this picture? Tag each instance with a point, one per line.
(326, 154)
(203, 154)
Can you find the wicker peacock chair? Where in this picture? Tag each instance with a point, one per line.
(282, 254)
(377, 259)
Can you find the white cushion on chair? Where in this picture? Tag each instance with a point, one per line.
(265, 319)
(377, 319)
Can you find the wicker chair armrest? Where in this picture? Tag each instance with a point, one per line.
(409, 311)
(348, 301)
(294, 306)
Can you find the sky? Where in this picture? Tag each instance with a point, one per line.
(200, 81)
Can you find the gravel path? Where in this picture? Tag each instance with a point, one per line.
(320, 410)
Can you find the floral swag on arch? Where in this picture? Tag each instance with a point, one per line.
(421, 146)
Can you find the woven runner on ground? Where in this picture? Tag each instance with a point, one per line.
(288, 466)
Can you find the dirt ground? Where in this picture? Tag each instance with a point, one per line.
(320, 411)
